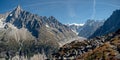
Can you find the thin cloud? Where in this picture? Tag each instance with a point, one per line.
(94, 9)
(71, 9)
(46, 3)
(71, 12)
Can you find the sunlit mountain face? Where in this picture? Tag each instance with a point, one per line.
(59, 30)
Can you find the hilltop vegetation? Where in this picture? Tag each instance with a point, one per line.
(105, 47)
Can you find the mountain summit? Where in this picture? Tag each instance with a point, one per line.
(18, 8)
(17, 11)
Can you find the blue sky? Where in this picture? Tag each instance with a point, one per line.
(66, 11)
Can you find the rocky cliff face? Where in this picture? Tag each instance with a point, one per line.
(89, 28)
(111, 25)
(36, 24)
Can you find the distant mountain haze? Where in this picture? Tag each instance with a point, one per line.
(87, 29)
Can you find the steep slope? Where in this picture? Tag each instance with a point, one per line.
(40, 27)
(110, 50)
(89, 28)
(2, 19)
(12, 33)
(111, 25)
(4, 15)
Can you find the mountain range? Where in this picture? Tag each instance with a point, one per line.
(102, 45)
(87, 29)
(28, 34)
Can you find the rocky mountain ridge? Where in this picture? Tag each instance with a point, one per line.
(87, 29)
(26, 34)
(112, 24)
(90, 27)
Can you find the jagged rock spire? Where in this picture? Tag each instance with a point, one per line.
(18, 8)
(17, 11)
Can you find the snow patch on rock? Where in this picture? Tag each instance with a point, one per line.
(81, 24)
(10, 14)
(47, 25)
(2, 24)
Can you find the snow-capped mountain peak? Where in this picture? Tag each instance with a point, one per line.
(76, 24)
(75, 27)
